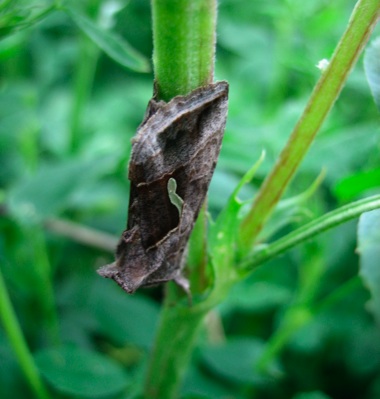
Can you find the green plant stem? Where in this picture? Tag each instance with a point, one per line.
(310, 230)
(178, 328)
(184, 45)
(363, 20)
(17, 341)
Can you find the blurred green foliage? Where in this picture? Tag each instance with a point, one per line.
(67, 115)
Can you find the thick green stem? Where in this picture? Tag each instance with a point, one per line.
(177, 331)
(326, 91)
(184, 45)
(16, 339)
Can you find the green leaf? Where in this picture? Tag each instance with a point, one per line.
(201, 385)
(369, 252)
(78, 372)
(236, 359)
(11, 45)
(113, 45)
(326, 150)
(352, 186)
(258, 296)
(311, 395)
(53, 186)
(372, 69)
(12, 382)
(223, 233)
(222, 185)
(374, 389)
(124, 319)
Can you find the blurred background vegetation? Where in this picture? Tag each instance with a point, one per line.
(67, 114)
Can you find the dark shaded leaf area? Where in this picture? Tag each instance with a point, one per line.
(300, 327)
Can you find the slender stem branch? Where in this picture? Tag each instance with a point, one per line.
(363, 19)
(82, 234)
(17, 340)
(312, 229)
